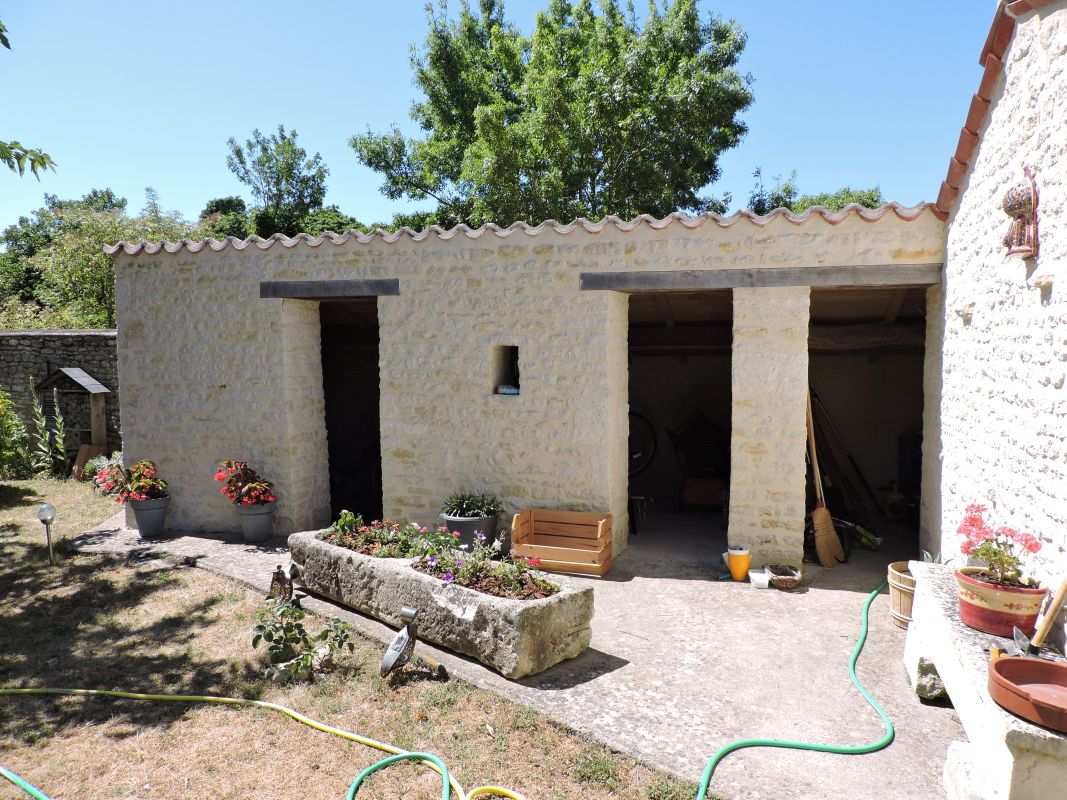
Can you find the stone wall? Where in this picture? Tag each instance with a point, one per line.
(769, 426)
(213, 371)
(1003, 398)
(36, 354)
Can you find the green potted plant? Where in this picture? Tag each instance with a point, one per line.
(469, 514)
(995, 597)
(251, 495)
(143, 489)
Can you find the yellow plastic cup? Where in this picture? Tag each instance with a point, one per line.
(738, 562)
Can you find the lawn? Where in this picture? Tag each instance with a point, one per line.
(95, 622)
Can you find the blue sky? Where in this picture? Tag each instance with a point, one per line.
(128, 94)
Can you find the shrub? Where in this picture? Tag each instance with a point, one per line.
(281, 627)
(15, 462)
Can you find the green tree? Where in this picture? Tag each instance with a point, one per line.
(785, 194)
(329, 218)
(225, 216)
(15, 155)
(286, 184)
(76, 280)
(19, 276)
(594, 114)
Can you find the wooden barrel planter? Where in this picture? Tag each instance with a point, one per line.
(901, 593)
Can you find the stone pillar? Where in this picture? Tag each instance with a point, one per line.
(769, 433)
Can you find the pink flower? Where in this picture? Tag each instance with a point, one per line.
(456, 534)
(534, 561)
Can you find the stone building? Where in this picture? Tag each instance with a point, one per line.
(369, 366)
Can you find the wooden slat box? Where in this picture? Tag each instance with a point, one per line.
(565, 541)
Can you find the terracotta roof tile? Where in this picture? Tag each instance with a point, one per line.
(992, 59)
(830, 217)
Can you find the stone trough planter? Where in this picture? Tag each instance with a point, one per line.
(514, 637)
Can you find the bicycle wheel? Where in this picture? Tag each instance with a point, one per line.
(643, 443)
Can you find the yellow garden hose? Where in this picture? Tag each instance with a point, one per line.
(448, 783)
(451, 790)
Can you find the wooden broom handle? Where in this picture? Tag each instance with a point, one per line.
(814, 457)
(1050, 615)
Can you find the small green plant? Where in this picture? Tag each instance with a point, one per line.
(40, 436)
(59, 439)
(15, 462)
(671, 789)
(472, 505)
(934, 558)
(281, 628)
(594, 766)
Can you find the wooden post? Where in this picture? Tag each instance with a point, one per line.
(98, 420)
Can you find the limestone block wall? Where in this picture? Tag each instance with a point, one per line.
(1003, 398)
(213, 371)
(770, 382)
(36, 354)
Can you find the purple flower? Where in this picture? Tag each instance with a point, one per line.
(431, 560)
(479, 536)
(449, 577)
(459, 563)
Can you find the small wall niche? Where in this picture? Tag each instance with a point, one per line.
(506, 369)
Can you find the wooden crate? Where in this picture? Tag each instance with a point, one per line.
(565, 541)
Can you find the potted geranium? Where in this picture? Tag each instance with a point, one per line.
(996, 598)
(143, 489)
(469, 514)
(251, 495)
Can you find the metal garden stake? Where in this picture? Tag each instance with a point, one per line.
(46, 513)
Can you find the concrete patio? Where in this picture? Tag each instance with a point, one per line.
(681, 664)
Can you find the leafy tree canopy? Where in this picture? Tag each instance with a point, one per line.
(224, 216)
(286, 184)
(330, 219)
(785, 194)
(15, 155)
(66, 280)
(594, 114)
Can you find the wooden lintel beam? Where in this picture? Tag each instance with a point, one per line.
(901, 275)
(329, 290)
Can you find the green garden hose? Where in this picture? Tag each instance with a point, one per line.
(23, 784)
(857, 750)
(448, 783)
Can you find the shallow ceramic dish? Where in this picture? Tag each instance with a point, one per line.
(1031, 688)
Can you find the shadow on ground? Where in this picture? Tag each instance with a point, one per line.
(63, 626)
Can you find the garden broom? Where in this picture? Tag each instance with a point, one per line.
(827, 545)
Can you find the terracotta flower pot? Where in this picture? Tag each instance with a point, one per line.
(996, 609)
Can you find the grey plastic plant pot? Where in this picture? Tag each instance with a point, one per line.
(150, 516)
(256, 521)
(468, 526)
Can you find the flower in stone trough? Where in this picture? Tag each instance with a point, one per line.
(479, 536)
(534, 561)
(459, 563)
(431, 560)
(448, 577)
(456, 534)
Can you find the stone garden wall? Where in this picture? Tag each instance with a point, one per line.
(36, 354)
(211, 371)
(1004, 399)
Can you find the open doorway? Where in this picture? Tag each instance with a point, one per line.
(352, 393)
(866, 352)
(680, 385)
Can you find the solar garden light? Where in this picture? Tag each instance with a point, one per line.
(46, 513)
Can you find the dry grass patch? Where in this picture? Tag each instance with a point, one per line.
(97, 623)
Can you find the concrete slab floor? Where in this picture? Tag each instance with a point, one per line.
(681, 664)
